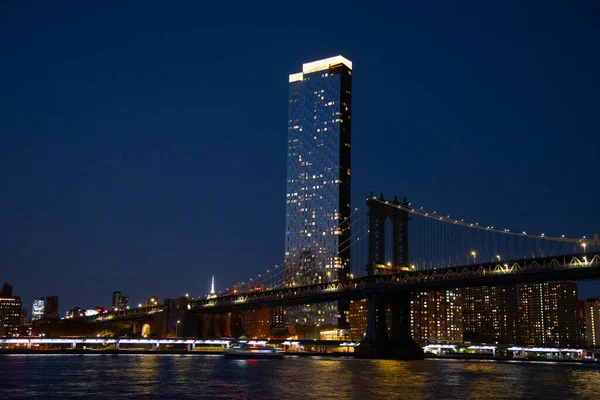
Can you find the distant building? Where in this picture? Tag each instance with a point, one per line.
(318, 183)
(592, 322)
(119, 302)
(437, 316)
(75, 312)
(357, 319)
(38, 309)
(548, 314)
(6, 290)
(116, 296)
(51, 309)
(490, 313)
(151, 301)
(124, 303)
(10, 312)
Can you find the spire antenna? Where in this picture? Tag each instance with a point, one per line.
(212, 293)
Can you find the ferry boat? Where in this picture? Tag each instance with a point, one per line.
(253, 351)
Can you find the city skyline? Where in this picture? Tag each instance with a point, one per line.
(110, 176)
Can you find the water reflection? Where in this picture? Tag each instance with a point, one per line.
(189, 376)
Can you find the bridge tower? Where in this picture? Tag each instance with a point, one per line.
(379, 212)
(399, 344)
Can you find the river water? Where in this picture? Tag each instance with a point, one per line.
(212, 377)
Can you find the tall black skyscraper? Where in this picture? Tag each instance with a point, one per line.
(318, 181)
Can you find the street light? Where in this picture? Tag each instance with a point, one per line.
(474, 254)
(584, 245)
(498, 257)
(177, 329)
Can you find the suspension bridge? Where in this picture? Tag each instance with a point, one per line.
(389, 261)
(380, 243)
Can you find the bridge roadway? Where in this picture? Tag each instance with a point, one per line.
(535, 270)
(130, 314)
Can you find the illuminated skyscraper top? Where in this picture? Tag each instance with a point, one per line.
(318, 171)
(320, 65)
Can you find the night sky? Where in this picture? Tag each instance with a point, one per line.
(143, 146)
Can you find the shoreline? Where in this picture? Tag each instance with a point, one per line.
(507, 359)
(142, 352)
(285, 354)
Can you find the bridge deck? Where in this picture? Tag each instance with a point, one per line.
(537, 270)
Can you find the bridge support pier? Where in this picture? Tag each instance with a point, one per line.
(400, 345)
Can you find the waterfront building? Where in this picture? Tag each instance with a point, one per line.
(10, 312)
(592, 322)
(236, 324)
(544, 314)
(436, 316)
(548, 314)
(257, 323)
(582, 322)
(318, 182)
(357, 319)
(24, 319)
(490, 313)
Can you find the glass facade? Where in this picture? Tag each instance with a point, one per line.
(318, 182)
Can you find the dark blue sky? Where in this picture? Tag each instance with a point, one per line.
(142, 146)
